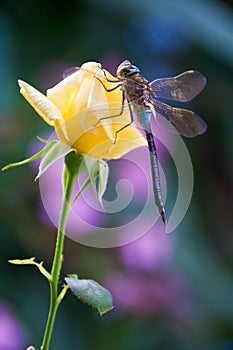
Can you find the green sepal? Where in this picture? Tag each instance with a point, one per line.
(32, 158)
(42, 140)
(97, 169)
(91, 164)
(84, 186)
(102, 179)
(91, 293)
(56, 152)
(31, 261)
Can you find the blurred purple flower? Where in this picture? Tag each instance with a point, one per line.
(130, 168)
(135, 166)
(152, 252)
(13, 336)
(52, 193)
(141, 294)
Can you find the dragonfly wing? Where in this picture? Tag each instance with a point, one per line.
(72, 70)
(186, 122)
(107, 79)
(69, 71)
(184, 87)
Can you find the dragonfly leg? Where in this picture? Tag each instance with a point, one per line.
(114, 115)
(108, 90)
(125, 126)
(110, 81)
(118, 115)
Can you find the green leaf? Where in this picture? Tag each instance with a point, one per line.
(31, 261)
(91, 293)
(32, 158)
(56, 152)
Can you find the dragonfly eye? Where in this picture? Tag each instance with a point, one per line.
(124, 72)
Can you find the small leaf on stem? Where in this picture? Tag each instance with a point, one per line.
(91, 293)
(31, 261)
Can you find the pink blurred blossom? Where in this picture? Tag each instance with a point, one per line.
(13, 336)
(52, 194)
(143, 294)
(151, 252)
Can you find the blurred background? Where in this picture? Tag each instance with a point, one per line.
(170, 291)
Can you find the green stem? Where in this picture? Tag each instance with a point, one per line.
(57, 260)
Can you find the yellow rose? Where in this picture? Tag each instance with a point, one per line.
(75, 107)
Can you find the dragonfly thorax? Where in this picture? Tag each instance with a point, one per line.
(134, 85)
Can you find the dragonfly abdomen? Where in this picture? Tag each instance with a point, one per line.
(137, 94)
(155, 174)
(144, 120)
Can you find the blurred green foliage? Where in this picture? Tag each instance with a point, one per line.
(38, 40)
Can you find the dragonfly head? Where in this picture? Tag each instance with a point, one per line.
(126, 69)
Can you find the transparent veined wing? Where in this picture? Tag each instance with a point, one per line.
(184, 87)
(186, 122)
(100, 73)
(69, 71)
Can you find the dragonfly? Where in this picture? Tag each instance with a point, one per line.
(142, 99)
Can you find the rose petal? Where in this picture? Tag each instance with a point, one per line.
(98, 140)
(71, 95)
(85, 114)
(103, 148)
(127, 140)
(45, 108)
